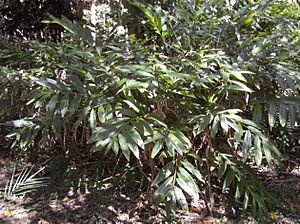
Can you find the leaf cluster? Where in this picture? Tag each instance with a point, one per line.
(198, 96)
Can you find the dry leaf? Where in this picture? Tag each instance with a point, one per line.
(8, 213)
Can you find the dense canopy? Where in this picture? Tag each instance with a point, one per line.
(198, 96)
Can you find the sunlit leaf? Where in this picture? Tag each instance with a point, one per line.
(123, 142)
(271, 115)
(156, 148)
(92, 119)
(181, 198)
(247, 143)
(282, 115)
(164, 173)
(52, 104)
(258, 150)
(161, 192)
(64, 105)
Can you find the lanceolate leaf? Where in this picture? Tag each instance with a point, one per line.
(258, 150)
(238, 192)
(205, 122)
(52, 104)
(136, 137)
(224, 123)
(161, 192)
(293, 115)
(215, 127)
(130, 134)
(50, 83)
(101, 113)
(246, 199)
(156, 148)
(165, 172)
(271, 115)
(188, 166)
(93, 119)
(257, 113)
(181, 138)
(282, 115)
(64, 105)
(20, 123)
(238, 86)
(228, 179)
(123, 141)
(247, 143)
(181, 198)
(187, 185)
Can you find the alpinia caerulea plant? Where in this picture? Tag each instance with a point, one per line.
(198, 96)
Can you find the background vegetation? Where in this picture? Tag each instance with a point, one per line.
(193, 97)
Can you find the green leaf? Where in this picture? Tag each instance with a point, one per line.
(140, 69)
(182, 76)
(132, 105)
(20, 123)
(161, 193)
(224, 123)
(228, 179)
(215, 127)
(282, 115)
(68, 26)
(191, 168)
(124, 146)
(52, 104)
(181, 137)
(133, 84)
(205, 122)
(238, 191)
(257, 113)
(175, 144)
(101, 113)
(271, 115)
(136, 137)
(239, 86)
(77, 83)
(106, 131)
(246, 200)
(293, 115)
(143, 127)
(164, 173)
(223, 169)
(156, 148)
(267, 152)
(115, 146)
(181, 198)
(187, 183)
(129, 134)
(238, 75)
(64, 105)
(156, 119)
(50, 83)
(258, 150)
(74, 104)
(281, 81)
(92, 119)
(247, 144)
(109, 114)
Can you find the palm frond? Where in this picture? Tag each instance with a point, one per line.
(22, 183)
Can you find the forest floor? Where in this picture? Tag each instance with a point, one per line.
(78, 191)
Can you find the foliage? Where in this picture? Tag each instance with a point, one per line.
(196, 100)
(22, 183)
(23, 18)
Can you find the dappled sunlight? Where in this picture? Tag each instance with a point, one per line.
(149, 111)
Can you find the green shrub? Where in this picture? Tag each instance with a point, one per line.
(196, 99)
